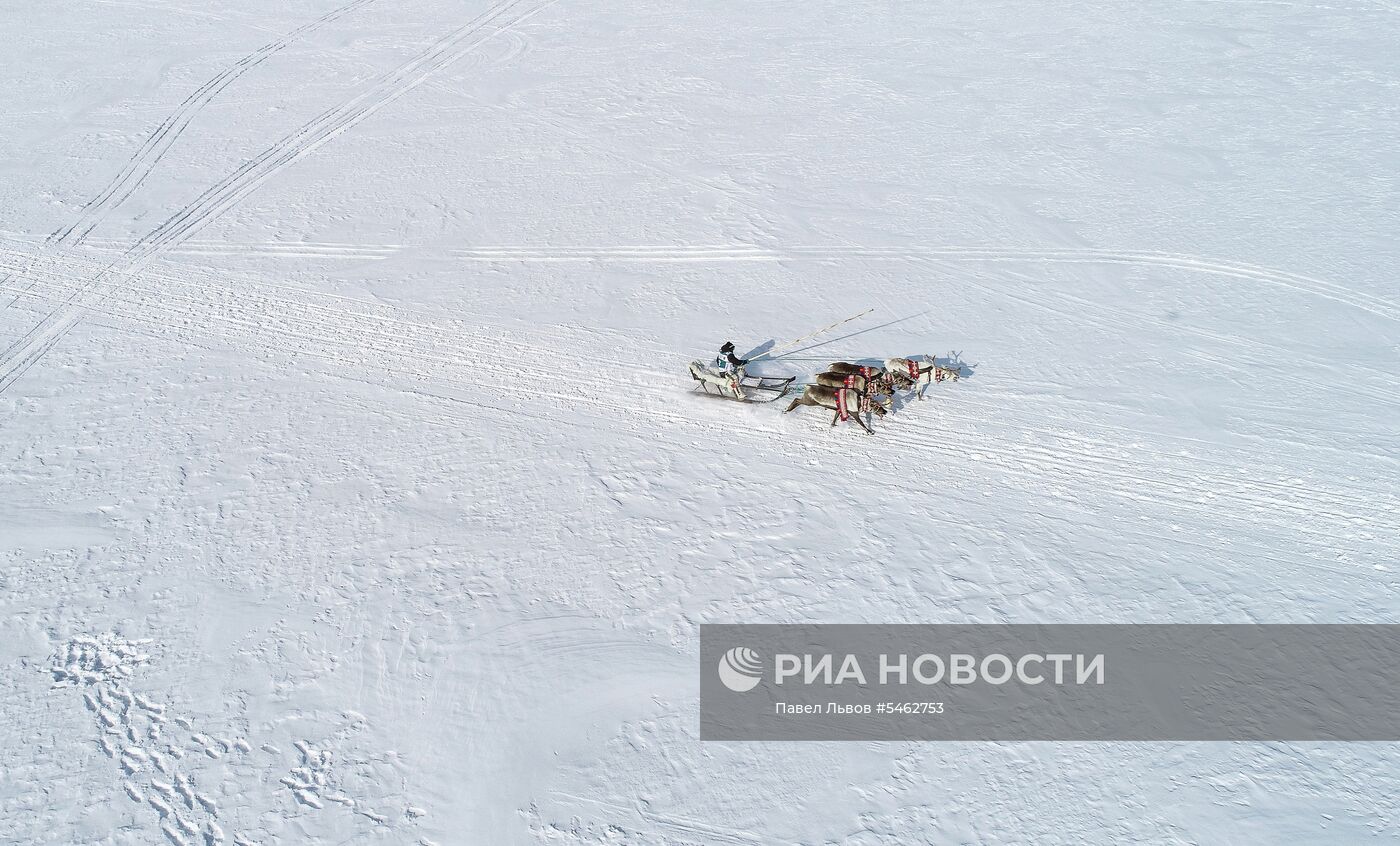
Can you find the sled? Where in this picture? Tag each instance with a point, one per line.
(739, 386)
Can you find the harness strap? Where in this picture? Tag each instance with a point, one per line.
(843, 396)
(913, 367)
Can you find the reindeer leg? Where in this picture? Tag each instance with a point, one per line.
(835, 417)
(868, 430)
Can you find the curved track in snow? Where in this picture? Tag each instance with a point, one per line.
(442, 53)
(134, 173)
(1315, 286)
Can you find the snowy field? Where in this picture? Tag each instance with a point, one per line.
(351, 488)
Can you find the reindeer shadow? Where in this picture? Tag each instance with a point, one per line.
(954, 361)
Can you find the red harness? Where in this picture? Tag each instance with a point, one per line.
(913, 367)
(862, 405)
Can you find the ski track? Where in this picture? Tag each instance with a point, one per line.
(438, 360)
(1124, 321)
(35, 344)
(1092, 312)
(751, 253)
(144, 161)
(126, 182)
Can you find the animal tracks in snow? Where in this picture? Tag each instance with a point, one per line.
(133, 730)
(318, 779)
(91, 660)
(182, 776)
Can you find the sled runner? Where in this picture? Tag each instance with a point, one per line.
(738, 385)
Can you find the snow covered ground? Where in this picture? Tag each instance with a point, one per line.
(304, 539)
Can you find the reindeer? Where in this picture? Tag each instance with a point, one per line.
(848, 403)
(876, 386)
(918, 375)
(887, 379)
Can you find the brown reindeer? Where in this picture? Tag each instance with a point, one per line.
(876, 386)
(887, 379)
(848, 403)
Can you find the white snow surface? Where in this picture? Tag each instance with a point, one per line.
(352, 491)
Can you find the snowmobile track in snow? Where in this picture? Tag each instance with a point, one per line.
(35, 344)
(750, 253)
(144, 161)
(130, 178)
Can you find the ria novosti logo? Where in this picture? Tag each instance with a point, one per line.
(740, 669)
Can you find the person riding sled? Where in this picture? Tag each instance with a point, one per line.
(727, 361)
